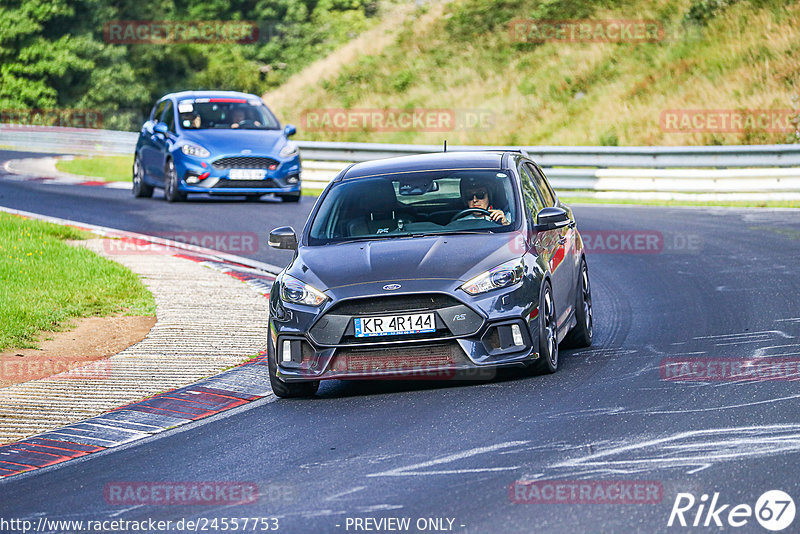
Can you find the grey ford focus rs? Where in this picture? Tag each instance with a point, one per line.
(428, 266)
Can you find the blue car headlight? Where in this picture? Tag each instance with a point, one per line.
(297, 292)
(195, 150)
(289, 149)
(504, 275)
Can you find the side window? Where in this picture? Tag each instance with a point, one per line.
(158, 110)
(169, 117)
(531, 197)
(541, 184)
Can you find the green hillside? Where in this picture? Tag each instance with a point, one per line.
(463, 59)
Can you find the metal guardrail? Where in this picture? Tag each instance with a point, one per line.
(740, 168)
(582, 156)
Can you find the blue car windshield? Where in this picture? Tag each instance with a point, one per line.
(225, 113)
(416, 203)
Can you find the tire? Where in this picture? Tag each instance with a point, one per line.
(548, 333)
(140, 188)
(290, 197)
(171, 191)
(581, 334)
(285, 389)
(252, 198)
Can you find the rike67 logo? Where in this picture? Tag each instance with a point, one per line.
(774, 510)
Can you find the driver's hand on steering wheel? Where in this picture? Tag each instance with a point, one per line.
(498, 216)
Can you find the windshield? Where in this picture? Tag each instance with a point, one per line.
(426, 202)
(225, 113)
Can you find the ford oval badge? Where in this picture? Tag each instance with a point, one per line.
(391, 287)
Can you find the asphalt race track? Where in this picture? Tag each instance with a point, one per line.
(696, 284)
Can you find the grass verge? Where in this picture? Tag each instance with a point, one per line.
(47, 282)
(108, 168)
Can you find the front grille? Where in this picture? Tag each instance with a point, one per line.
(244, 162)
(246, 184)
(409, 359)
(394, 303)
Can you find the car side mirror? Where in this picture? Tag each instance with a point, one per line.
(289, 130)
(161, 128)
(283, 238)
(551, 219)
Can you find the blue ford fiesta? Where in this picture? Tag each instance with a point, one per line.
(218, 143)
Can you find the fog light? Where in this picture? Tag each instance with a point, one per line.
(516, 334)
(293, 179)
(287, 350)
(192, 180)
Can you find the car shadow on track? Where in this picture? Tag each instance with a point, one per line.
(331, 389)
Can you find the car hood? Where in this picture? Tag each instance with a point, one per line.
(218, 142)
(452, 258)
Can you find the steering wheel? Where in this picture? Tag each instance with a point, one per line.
(467, 211)
(245, 123)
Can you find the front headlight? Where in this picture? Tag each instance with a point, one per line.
(297, 292)
(504, 275)
(289, 149)
(195, 150)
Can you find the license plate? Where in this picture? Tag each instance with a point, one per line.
(247, 174)
(395, 325)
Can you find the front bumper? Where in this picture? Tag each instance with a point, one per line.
(284, 178)
(469, 342)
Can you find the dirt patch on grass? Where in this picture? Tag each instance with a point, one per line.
(94, 339)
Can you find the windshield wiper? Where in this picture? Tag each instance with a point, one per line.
(384, 237)
(455, 232)
(358, 239)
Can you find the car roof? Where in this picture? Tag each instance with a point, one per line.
(209, 94)
(426, 162)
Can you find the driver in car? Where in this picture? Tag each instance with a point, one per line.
(239, 118)
(476, 196)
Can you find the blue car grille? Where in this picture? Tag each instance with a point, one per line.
(246, 184)
(244, 162)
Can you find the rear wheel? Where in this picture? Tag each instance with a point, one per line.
(581, 334)
(140, 188)
(171, 191)
(290, 197)
(548, 333)
(285, 389)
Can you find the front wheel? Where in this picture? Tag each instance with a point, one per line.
(171, 191)
(581, 334)
(548, 333)
(140, 188)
